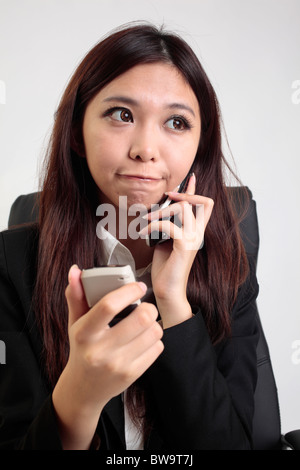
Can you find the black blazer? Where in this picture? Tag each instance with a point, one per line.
(202, 395)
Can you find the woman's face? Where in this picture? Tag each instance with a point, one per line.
(141, 133)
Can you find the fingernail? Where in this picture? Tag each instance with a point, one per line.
(74, 266)
(192, 181)
(171, 192)
(143, 286)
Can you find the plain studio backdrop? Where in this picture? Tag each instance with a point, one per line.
(250, 50)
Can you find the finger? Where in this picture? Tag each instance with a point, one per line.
(147, 358)
(75, 296)
(142, 318)
(144, 341)
(166, 227)
(191, 187)
(111, 304)
(167, 212)
(182, 210)
(131, 361)
(129, 365)
(190, 232)
(195, 200)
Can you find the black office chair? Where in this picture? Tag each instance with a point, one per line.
(266, 425)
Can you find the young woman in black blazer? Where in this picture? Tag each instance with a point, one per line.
(179, 372)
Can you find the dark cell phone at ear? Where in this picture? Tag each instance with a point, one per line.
(156, 237)
(97, 282)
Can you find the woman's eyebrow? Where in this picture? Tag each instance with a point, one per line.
(132, 102)
(181, 106)
(122, 99)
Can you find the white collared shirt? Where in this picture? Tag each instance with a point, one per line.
(114, 252)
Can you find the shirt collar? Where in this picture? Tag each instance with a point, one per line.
(114, 252)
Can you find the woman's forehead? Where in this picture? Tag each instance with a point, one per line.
(159, 83)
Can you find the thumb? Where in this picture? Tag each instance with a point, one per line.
(75, 296)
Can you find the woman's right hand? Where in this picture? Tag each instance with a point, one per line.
(103, 361)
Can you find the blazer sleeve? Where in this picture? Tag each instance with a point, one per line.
(204, 395)
(27, 418)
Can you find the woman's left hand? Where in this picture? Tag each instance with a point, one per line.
(172, 261)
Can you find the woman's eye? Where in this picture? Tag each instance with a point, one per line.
(177, 124)
(120, 114)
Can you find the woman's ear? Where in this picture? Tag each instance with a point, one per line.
(77, 144)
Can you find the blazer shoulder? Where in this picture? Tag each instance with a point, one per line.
(18, 252)
(18, 239)
(23, 231)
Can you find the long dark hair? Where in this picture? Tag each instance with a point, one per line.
(67, 220)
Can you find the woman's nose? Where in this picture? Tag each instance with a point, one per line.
(144, 145)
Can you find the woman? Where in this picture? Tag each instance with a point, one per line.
(138, 114)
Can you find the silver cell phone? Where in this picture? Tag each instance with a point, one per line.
(97, 282)
(155, 236)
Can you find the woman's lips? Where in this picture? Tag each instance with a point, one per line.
(141, 178)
